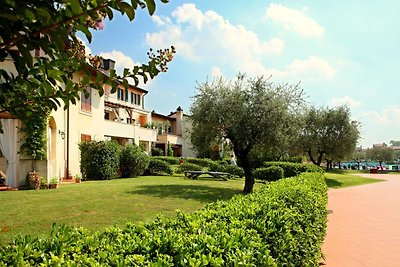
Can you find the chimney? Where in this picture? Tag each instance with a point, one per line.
(108, 64)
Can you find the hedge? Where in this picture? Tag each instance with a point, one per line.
(158, 167)
(169, 160)
(292, 169)
(221, 166)
(186, 166)
(99, 160)
(283, 224)
(133, 161)
(204, 162)
(272, 173)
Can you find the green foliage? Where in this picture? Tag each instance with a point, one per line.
(222, 166)
(186, 166)
(133, 161)
(283, 224)
(170, 151)
(380, 154)
(294, 169)
(295, 159)
(158, 167)
(271, 173)
(99, 160)
(328, 133)
(169, 160)
(250, 113)
(33, 127)
(204, 162)
(155, 152)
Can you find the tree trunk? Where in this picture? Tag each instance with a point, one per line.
(340, 166)
(248, 174)
(319, 160)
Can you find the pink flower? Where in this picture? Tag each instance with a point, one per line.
(99, 24)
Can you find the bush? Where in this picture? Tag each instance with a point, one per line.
(158, 167)
(272, 173)
(292, 169)
(133, 161)
(155, 151)
(223, 166)
(169, 160)
(186, 166)
(99, 160)
(204, 162)
(283, 224)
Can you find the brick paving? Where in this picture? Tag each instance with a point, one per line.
(364, 224)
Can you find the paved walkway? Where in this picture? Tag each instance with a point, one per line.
(364, 224)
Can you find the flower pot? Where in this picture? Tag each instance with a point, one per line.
(53, 186)
(78, 181)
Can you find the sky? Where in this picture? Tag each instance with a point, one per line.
(341, 52)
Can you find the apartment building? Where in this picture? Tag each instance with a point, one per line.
(119, 116)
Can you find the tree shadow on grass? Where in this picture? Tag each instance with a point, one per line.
(333, 183)
(201, 193)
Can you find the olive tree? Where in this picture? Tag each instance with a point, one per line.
(328, 134)
(250, 113)
(380, 154)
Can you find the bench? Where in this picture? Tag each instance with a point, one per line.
(195, 174)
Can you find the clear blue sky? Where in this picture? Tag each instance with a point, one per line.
(342, 52)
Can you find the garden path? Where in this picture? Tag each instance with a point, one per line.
(364, 224)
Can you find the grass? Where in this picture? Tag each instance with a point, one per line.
(345, 179)
(99, 204)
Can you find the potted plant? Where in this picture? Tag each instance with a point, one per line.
(54, 183)
(44, 184)
(33, 180)
(78, 178)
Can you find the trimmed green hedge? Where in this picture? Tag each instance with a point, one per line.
(271, 173)
(99, 160)
(169, 160)
(283, 224)
(292, 169)
(186, 166)
(204, 162)
(158, 167)
(221, 166)
(133, 161)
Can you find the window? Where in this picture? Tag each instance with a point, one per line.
(126, 96)
(120, 94)
(86, 138)
(106, 115)
(132, 98)
(138, 100)
(86, 99)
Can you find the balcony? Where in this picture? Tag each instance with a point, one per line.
(171, 138)
(146, 134)
(118, 129)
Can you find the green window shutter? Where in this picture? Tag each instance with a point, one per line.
(138, 100)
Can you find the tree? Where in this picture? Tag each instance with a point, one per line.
(395, 143)
(328, 133)
(359, 156)
(249, 112)
(39, 84)
(380, 154)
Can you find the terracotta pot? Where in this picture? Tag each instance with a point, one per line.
(53, 186)
(78, 181)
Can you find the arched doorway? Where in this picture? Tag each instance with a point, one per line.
(51, 149)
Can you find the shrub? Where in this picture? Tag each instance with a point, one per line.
(271, 173)
(133, 161)
(292, 169)
(169, 160)
(235, 170)
(186, 166)
(204, 162)
(223, 166)
(158, 167)
(283, 224)
(99, 160)
(155, 151)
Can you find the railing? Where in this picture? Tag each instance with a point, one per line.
(118, 129)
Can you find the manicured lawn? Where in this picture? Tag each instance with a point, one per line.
(98, 204)
(340, 180)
